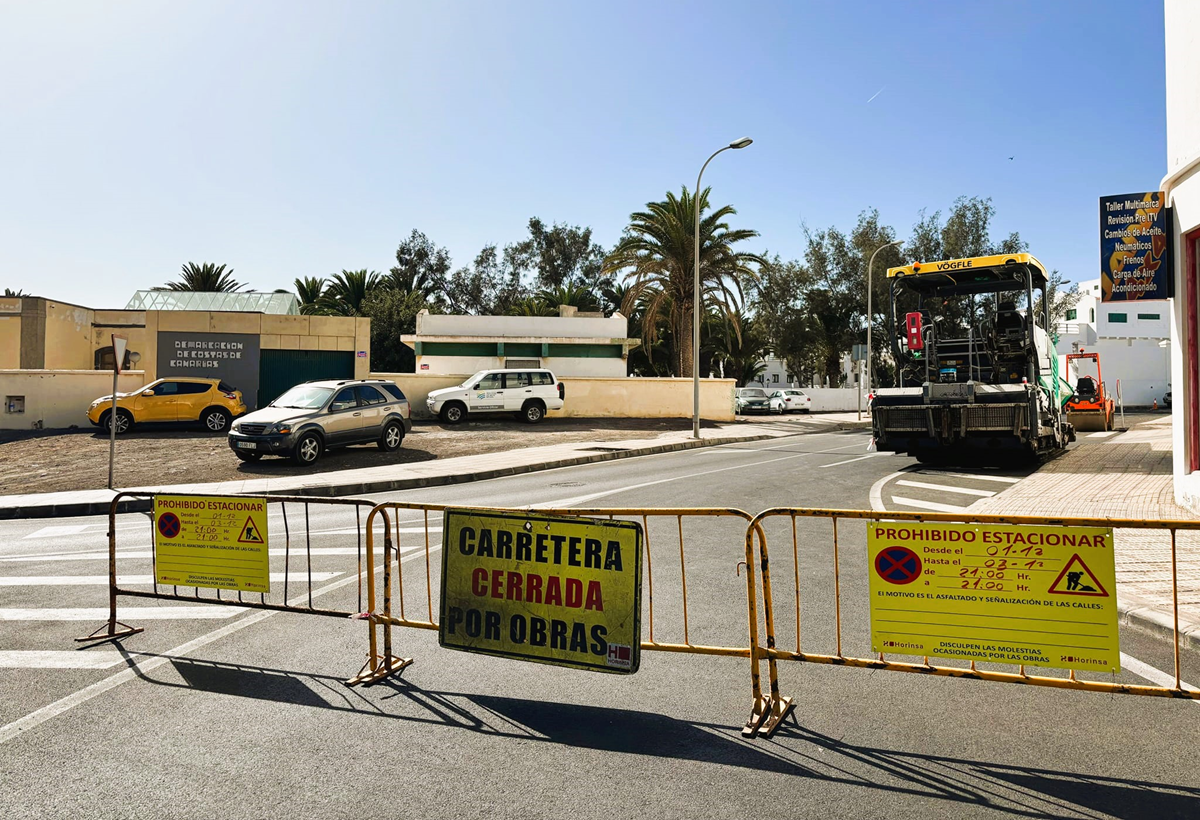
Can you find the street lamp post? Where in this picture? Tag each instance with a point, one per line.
(740, 143)
(870, 314)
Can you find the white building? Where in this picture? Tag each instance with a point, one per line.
(1131, 338)
(570, 344)
(1182, 189)
(775, 374)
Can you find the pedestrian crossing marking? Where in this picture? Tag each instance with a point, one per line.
(926, 505)
(141, 613)
(131, 580)
(59, 659)
(58, 531)
(946, 488)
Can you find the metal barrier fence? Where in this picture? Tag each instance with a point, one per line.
(391, 611)
(296, 551)
(780, 707)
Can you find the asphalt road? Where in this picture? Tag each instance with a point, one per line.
(244, 714)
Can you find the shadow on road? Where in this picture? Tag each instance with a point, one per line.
(795, 751)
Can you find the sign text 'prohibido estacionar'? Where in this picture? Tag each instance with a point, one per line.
(549, 589)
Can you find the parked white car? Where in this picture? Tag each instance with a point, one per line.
(528, 394)
(794, 401)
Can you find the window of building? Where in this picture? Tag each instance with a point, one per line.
(1118, 318)
(1072, 314)
(1091, 314)
(1149, 317)
(775, 378)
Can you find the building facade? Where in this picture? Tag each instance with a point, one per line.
(1182, 189)
(570, 344)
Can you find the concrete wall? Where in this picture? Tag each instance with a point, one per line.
(563, 367)
(600, 398)
(833, 399)
(68, 337)
(57, 399)
(1143, 368)
(10, 341)
(575, 327)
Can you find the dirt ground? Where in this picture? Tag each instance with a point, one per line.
(49, 462)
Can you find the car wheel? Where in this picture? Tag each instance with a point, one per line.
(124, 421)
(215, 420)
(308, 449)
(247, 456)
(453, 413)
(390, 438)
(533, 411)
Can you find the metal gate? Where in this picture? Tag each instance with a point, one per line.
(281, 369)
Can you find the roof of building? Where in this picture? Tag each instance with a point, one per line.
(242, 301)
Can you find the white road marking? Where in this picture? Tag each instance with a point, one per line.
(850, 460)
(141, 613)
(141, 667)
(129, 580)
(1106, 435)
(59, 659)
(58, 531)
(1004, 479)
(297, 553)
(926, 505)
(1150, 673)
(946, 488)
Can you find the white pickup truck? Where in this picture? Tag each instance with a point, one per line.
(528, 394)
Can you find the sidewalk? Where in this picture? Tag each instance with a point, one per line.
(432, 473)
(1128, 476)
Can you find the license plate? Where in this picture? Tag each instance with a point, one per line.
(247, 445)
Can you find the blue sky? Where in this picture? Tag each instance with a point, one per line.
(299, 138)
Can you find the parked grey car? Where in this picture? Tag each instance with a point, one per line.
(314, 416)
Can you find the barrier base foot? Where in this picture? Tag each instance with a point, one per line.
(110, 632)
(389, 666)
(782, 708)
(758, 716)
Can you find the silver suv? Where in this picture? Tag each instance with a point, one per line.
(314, 416)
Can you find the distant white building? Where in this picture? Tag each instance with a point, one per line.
(570, 344)
(775, 374)
(1132, 339)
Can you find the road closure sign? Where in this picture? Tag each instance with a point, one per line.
(1040, 596)
(550, 589)
(214, 542)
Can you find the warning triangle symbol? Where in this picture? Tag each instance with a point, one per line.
(1077, 579)
(250, 533)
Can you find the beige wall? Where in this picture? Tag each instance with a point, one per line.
(10, 341)
(57, 399)
(599, 398)
(68, 337)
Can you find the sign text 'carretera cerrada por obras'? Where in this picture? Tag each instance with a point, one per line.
(996, 593)
(550, 589)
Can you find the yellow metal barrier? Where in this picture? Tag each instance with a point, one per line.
(781, 707)
(391, 611)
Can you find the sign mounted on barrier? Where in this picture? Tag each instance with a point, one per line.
(212, 542)
(549, 589)
(996, 593)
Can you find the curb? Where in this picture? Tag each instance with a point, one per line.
(83, 508)
(1147, 618)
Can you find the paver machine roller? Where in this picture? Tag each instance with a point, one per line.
(976, 375)
(1091, 408)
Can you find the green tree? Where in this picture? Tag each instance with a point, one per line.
(487, 288)
(777, 297)
(741, 350)
(9, 292)
(311, 292)
(576, 295)
(204, 278)
(393, 314)
(421, 267)
(656, 254)
(531, 306)
(347, 291)
(557, 256)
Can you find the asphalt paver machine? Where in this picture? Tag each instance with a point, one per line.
(976, 375)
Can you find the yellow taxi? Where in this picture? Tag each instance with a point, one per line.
(212, 402)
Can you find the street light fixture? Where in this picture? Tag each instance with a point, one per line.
(738, 143)
(870, 314)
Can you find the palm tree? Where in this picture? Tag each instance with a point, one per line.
(741, 349)
(204, 278)
(576, 294)
(15, 293)
(532, 306)
(347, 291)
(311, 291)
(656, 252)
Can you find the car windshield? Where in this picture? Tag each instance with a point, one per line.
(752, 393)
(471, 381)
(303, 397)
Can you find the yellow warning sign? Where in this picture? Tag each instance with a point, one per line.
(550, 589)
(1040, 596)
(213, 542)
